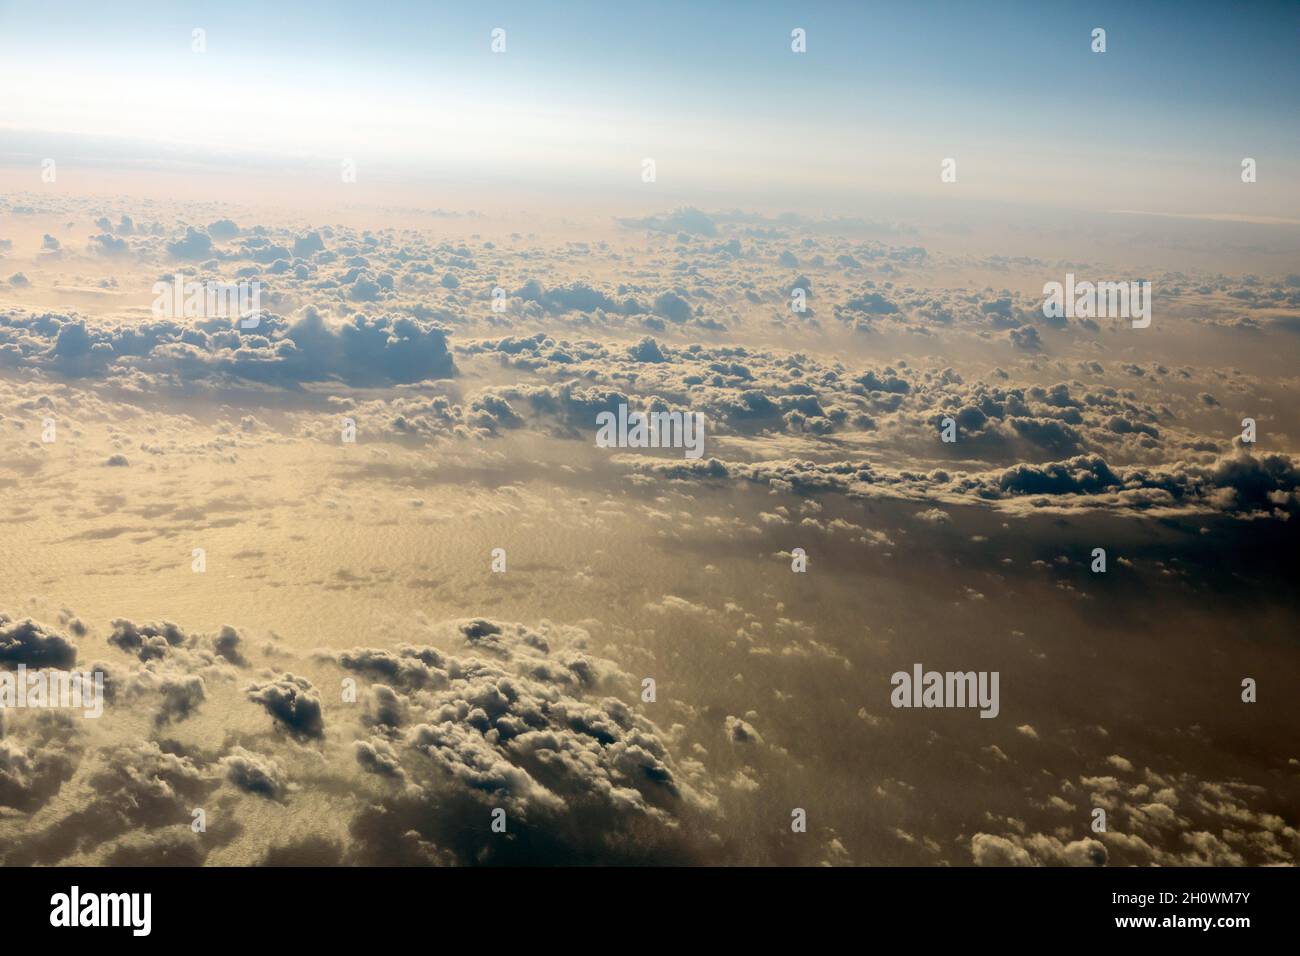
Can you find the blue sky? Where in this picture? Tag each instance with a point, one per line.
(710, 90)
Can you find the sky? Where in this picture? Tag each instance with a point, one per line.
(585, 92)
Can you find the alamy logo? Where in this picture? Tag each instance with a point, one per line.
(1098, 300)
(651, 430)
(923, 688)
(53, 688)
(207, 300)
(103, 909)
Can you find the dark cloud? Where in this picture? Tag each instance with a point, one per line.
(148, 641)
(33, 645)
(531, 728)
(255, 773)
(293, 703)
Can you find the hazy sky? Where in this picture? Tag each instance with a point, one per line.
(713, 93)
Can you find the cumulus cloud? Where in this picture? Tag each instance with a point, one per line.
(255, 773)
(33, 645)
(524, 721)
(195, 244)
(822, 433)
(293, 703)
